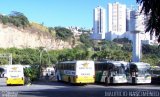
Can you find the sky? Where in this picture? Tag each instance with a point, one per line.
(63, 13)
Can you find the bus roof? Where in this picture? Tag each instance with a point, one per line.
(75, 61)
(100, 62)
(118, 63)
(141, 64)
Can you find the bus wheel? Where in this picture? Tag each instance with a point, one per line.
(133, 80)
(106, 81)
(111, 80)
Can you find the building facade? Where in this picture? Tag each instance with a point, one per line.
(116, 21)
(121, 23)
(99, 23)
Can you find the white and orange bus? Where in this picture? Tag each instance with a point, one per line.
(81, 71)
(15, 75)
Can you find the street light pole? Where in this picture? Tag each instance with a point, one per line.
(40, 67)
(10, 58)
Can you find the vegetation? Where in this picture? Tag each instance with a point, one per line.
(16, 18)
(63, 33)
(39, 27)
(85, 39)
(152, 10)
(151, 54)
(31, 73)
(83, 30)
(122, 40)
(126, 44)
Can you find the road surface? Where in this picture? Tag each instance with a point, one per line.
(60, 89)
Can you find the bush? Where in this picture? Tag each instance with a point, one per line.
(16, 18)
(122, 40)
(31, 73)
(63, 33)
(5, 19)
(85, 39)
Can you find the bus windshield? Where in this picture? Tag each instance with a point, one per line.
(143, 72)
(118, 71)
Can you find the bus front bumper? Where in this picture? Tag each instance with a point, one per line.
(14, 81)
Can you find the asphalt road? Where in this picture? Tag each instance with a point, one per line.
(60, 89)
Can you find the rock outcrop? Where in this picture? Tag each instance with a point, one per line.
(23, 38)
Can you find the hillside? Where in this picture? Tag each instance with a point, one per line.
(24, 38)
(17, 31)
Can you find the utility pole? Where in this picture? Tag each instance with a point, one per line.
(8, 56)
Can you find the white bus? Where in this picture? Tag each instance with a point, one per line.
(81, 71)
(110, 72)
(139, 73)
(15, 75)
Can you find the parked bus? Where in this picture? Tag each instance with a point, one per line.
(15, 75)
(155, 74)
(111, 72)
(139, 73)
(81, 71)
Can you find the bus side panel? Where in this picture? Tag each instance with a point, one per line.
(98, 76)
(101, 76)
(68, 76)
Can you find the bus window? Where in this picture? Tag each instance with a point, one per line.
(72, 66)
(96, 66)
(68, 67)
(60, 66)
(64, 67)
(105, 66)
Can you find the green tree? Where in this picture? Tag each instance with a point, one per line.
(63, 33)
(151, 49)
(19, 19)
(122, 40)
(5, 19)
(85, 39)
(31, 73)
(151, 9)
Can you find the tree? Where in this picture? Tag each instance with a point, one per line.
(31, 73)
(5, 19)
(151, 9)
(19, 19)
(122, 40)
(85, 38)
(63, 33)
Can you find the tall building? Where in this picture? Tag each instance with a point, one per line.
(116, 20)
(99, 23)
